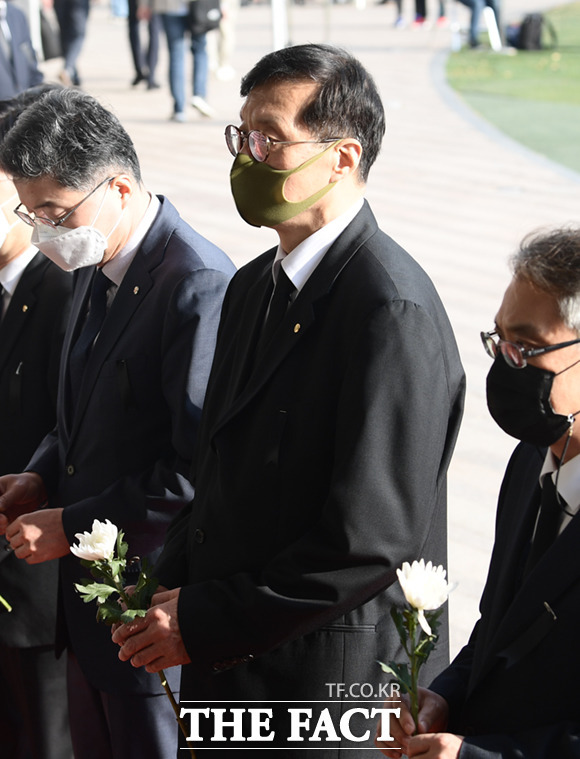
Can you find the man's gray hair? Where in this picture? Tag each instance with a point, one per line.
(70, 137)
(551, 261)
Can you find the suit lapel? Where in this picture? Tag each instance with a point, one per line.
(251, 322)
(301, 316)
(136, 283)
(21, 307)
(133, 289)
(519, 621)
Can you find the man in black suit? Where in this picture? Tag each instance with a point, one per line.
(18, 65)
(135, 363)
(326, 437)
(35, 301)
(512, 691)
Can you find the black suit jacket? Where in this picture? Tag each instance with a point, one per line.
(513, 690)
(321, 469)
(31, 335)
(21, 71)
(125, 452)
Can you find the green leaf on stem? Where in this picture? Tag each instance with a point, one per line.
(94, 591)
(109, 611)
(425, 646)
(144, 589)
(433, 618)
(130, 614)
(122, 546)
(98, 569)
(401, 673)
(399, 624)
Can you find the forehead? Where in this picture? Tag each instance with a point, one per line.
(526, 309)
(45, 192)
(278, 102)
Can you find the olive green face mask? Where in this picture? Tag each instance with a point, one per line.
(258, 191)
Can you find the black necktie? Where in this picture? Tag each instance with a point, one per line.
(82, 348)
(1, 303)
(548, 524)
(278, 306)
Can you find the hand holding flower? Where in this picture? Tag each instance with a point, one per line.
(432, 717)
(426, 590)
(154, 641)
(435, 746)
(146, 619)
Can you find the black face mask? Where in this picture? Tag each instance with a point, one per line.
(519, 402)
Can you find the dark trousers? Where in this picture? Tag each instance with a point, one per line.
(118, 726)
(145, 62)
(33, 704)
(72, 18)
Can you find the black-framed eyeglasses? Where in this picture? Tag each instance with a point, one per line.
(513, 354)
(259, 144)
(31, 220)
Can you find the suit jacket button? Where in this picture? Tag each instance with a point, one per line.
(70, 470)
(199, 536)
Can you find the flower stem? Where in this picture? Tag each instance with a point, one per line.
(120, 588)
(5, 603)
(414, 660)
(173, 702)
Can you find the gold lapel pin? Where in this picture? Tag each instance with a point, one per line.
(135, 290)
(296, 328)
(25, 308)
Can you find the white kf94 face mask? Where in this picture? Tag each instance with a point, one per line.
(73, 248)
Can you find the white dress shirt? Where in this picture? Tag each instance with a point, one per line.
(117, 267)
(11, 273)
(303, 260)
(568, 484)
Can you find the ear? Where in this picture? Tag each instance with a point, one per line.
(348, 154)
(125, 186)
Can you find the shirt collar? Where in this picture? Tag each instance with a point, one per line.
(303, 260)
(117, 267)
(11, 273)
(568, 481)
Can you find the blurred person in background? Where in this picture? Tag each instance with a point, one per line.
(144, 58)
(175, 19)
(18, 65)
(72, 18)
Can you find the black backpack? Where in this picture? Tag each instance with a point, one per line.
(529, 34)
(203, 16)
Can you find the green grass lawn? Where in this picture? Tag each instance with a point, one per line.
(533, 96)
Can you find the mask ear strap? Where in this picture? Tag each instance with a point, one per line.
(565, 370)
(116, 224)
(92, 224)
(571, 418)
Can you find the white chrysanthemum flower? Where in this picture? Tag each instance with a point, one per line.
(425, 588)
(97, 545)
